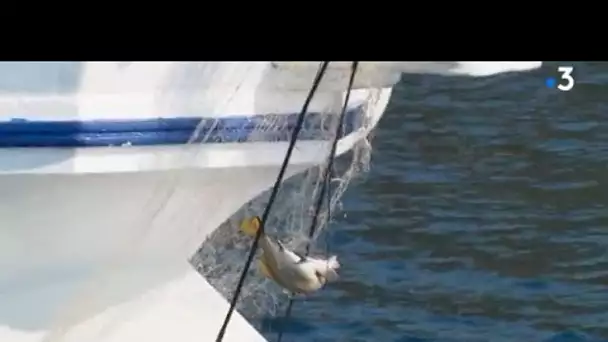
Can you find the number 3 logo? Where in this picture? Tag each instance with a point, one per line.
(566, 75)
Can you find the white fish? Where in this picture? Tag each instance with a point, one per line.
(292, 271)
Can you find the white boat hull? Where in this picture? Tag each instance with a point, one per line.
(95, 241)
(135, 231)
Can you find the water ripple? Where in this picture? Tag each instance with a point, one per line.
(484, 217)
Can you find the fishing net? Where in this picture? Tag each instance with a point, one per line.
(222, 255)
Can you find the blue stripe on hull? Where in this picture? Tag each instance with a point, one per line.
(170, 131)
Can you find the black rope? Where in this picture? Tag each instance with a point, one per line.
(273, 194)
(325, 187)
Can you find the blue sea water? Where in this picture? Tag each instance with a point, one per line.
(484, 218)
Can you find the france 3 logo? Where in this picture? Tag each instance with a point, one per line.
(565, 82)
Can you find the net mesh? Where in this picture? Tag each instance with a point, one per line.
(222, 255)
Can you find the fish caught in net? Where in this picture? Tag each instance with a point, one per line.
(222, 256)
